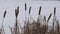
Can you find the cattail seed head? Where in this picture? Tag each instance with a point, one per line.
(16, 11)
(25, 7)
(49, 17)
(39, 10)
(54, 10)
(4, 14)
(29, 10)
(18, 8)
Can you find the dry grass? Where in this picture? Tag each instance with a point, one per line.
(37, 29)
(2, 27)
(34, 27)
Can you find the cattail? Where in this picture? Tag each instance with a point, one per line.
(29, 10)
(49, 17)
(39, 10)
(4, 14)
(54, 10)
(18, 8)
(16, 12)
(25, 7)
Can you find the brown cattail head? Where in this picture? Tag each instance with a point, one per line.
(25, 7)
(49, 17)
(18, 8)
(16, 12)
(39, 10)
(54, 10)
(4, 14)
(29, 10)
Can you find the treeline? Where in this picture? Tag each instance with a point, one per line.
(36, 27)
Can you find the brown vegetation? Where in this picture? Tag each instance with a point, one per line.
(34, 27)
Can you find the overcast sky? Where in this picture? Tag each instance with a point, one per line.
(46, 0)
(10, 5)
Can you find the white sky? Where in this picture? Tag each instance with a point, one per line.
(10, 5)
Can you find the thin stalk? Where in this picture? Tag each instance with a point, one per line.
(3, 32)
(25, 14)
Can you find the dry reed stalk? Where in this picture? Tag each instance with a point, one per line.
(15, 29)
(25, 11)
(36, 28)
(57, 25)
(11, 29)
(55, 20)
(52, 30)
(57, 31)
(2, 28)
(42, 30)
